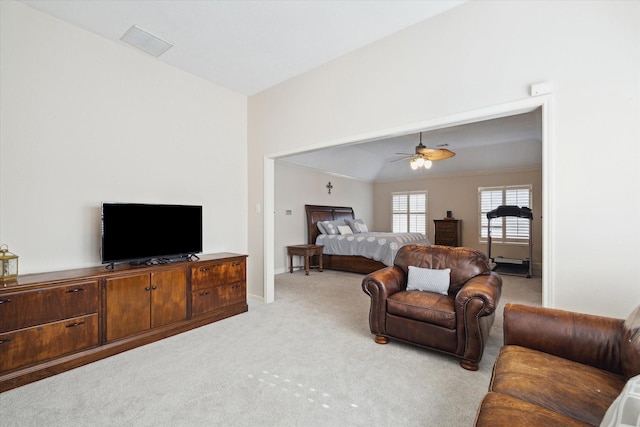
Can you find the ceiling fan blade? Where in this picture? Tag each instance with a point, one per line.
(403, 158)
(435, 154)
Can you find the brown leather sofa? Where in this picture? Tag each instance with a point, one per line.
(559, 368)
(457, 323)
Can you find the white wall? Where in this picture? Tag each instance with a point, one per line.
(86, 120)
(483, 54)
(296, 186)
(459, 194)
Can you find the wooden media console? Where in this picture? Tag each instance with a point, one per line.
(54, 322)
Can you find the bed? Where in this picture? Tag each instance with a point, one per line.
(349, 252)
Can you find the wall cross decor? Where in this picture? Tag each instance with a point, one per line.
(329, 187)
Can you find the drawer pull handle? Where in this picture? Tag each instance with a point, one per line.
(204, 294)
(147, 288)
(204, 269)
(4, 340)
(5, 301)
(73, 291)
(73, 325)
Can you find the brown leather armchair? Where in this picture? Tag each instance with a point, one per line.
(563, 368)
(457, 323)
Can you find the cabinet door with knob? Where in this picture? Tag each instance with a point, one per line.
(168, 297)
(139, 302)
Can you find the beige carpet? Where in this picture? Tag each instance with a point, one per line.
(308, 359)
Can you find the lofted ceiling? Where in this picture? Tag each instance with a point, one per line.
(248, 46)
(502, 143)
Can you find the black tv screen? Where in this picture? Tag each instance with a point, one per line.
(141, 232)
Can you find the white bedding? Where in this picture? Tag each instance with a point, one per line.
(375, 245)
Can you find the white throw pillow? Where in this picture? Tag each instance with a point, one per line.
(357, 225)
(625, 410)
(426, 279)
(345, 229)
(331, 227)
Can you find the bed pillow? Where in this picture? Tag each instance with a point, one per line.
(426, 279)
(321, 228)
(331, 227)
(344, 229)
(358, 225)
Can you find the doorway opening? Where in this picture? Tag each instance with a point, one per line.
(498, 111)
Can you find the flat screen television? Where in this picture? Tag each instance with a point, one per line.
(138, 232)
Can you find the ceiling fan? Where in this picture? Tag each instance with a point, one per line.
(424, 157)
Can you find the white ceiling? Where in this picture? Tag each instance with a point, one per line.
(250, 45)
(503, 143)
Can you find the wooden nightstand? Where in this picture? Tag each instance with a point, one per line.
(307, 251)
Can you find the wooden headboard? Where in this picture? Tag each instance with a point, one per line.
(316, 213)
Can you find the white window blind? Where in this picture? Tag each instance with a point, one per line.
(409, 212)
(506, 229)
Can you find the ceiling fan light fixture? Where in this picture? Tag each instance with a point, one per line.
(424, 156)
(414, 163)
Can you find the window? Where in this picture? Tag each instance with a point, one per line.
(409, 212)
(506, 229)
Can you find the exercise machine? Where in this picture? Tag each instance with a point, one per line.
(518, 267)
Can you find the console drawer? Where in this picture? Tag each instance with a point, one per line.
(39, 343)
(20, 310)
(206, 300)
(203, 301)
(208, 275)
(232, 293)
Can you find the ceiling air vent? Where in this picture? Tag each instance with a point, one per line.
(145, 41)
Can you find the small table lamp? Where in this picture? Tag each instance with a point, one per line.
(8, 264)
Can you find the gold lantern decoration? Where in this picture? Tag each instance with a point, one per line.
(9, 264)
